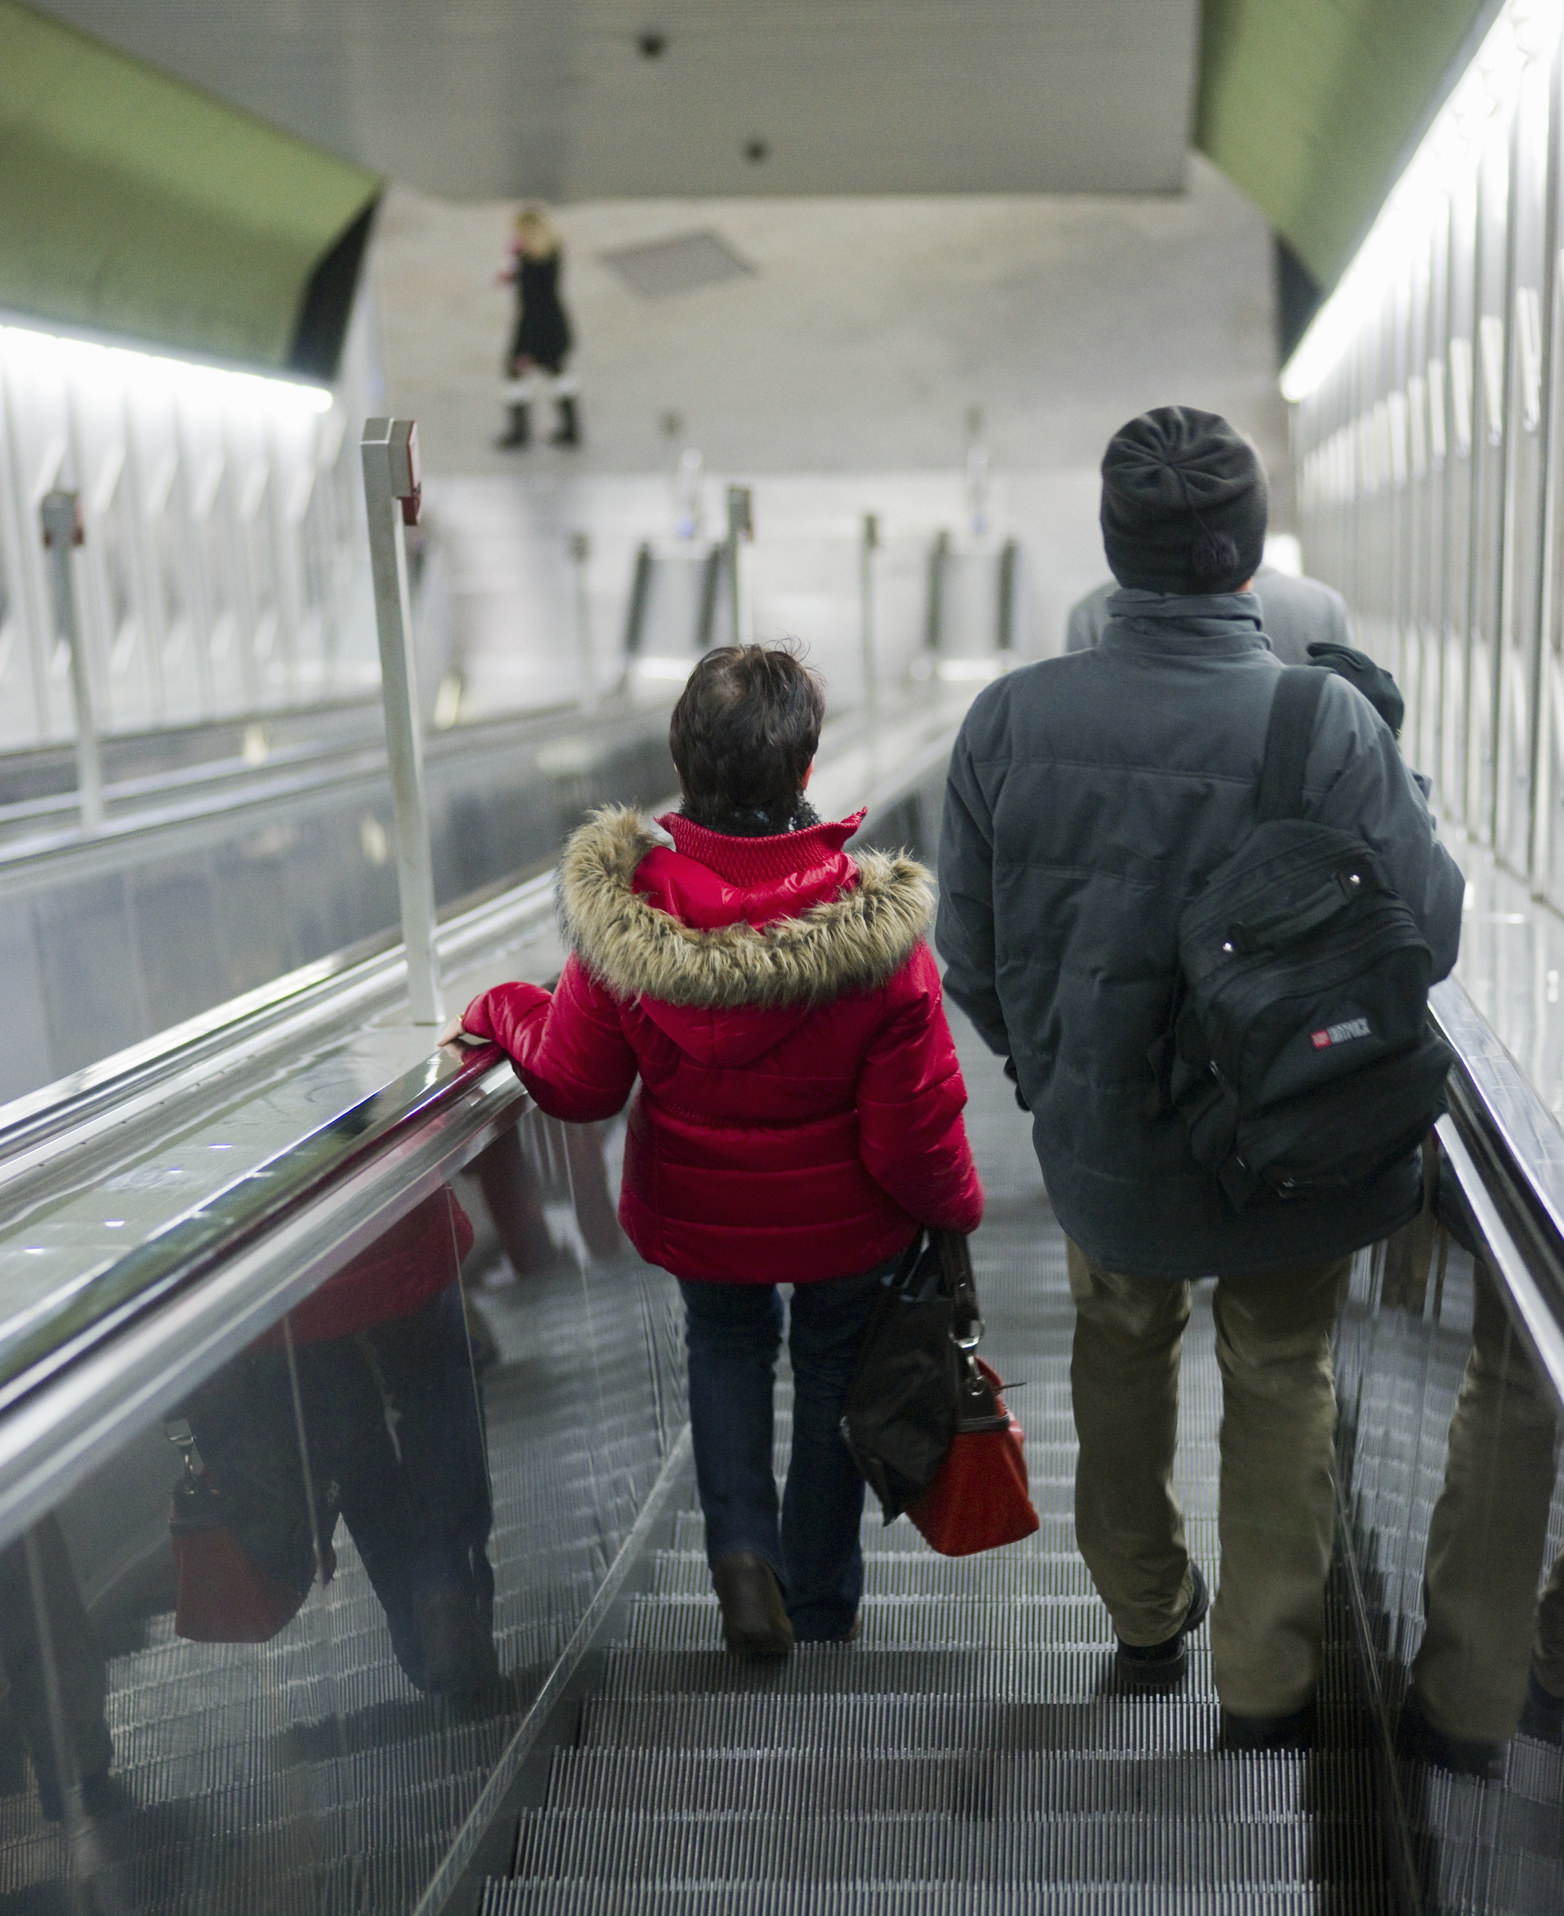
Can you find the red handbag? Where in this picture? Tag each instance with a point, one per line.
(222, 1594)
(980, 1498)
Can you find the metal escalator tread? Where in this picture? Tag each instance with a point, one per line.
(975, 1753)
(565, 1898)
(1021, 1846)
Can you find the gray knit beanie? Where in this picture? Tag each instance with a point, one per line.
(1184, 503)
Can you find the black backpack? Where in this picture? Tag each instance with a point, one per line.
(1300, 1055)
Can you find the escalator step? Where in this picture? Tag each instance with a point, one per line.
(1067, 1781)
(1018, 1622)
(1056, 1534)
(858, 1669)
(677, 1623)
(863, 1781)
(590, 1898)
(1012, 1844)
(992, 1577)
(1063, 1677)
(930, 1725)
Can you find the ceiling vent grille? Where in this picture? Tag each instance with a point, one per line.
(677, 265)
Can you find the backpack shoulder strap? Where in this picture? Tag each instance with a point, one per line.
(1294, 705)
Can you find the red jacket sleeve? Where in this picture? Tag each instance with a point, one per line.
(569, 1049)
(910, 1096)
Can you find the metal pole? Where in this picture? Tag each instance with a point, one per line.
(977, 474)
(741, 526)
(871, 669)
(389, 449)
(60, 515)
(586, 664)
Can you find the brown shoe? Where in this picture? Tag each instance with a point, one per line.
(754, 1617)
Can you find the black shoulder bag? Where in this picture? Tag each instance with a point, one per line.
(924, 1420)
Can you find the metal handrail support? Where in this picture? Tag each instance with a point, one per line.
(741, 529)
(59, 515)
(868, 546)
(392, 495)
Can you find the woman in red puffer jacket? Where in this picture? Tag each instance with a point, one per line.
(799, 1114)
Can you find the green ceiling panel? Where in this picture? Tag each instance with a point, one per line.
(135, 204)
(1310, 106)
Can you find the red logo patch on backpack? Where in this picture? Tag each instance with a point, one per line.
(1339, 1034)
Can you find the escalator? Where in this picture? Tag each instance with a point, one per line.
(974, 1751)
(175, 1228)
(233, 855)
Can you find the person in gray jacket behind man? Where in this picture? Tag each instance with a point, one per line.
(1089, 795)
(1295, 613)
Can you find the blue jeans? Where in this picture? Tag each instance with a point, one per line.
(734, 1332)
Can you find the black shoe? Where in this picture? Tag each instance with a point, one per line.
(1419, 1742)
(1166, 1662)
(754, 1616)
(569, 432)
(1542, 1714)
(517, 433)
(458, 1645)
(1295, 1731)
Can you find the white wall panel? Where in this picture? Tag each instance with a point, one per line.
(224, 569)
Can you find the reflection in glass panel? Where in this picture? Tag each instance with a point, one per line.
(1489, 459)
(1460, 492)
(228, 658)
(267, 1656)
(18, 718)
(1518, 636)
(311, 652)
(186, 693)
(1449, 1442)
(271, 663)
(126, 667)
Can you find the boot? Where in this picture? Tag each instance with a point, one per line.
(754, 1617)
(518, 432)
(569, 430)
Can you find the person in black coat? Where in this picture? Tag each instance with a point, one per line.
(541, 340)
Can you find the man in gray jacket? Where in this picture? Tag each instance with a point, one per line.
(1089, 796)
(1295, 613)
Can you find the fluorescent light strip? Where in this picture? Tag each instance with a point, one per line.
(83, 359)
(1446, 162)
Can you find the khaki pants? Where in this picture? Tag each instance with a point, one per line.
(1276, 1524)
(1548, 1653)
(1485, 1544)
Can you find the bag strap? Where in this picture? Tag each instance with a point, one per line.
(966, 1325)
(1294, 705)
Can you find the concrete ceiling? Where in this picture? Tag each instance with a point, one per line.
(558, 98)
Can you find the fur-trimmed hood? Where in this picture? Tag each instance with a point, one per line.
(856, 941)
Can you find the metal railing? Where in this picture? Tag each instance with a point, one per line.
(1507, 1152)
(76, 1367)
